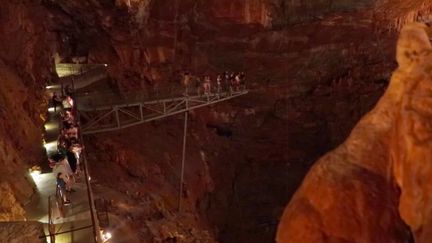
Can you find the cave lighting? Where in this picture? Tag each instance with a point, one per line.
(49, 126)
(51, 109)
(106, 236)
(51, 86)
(106, 65)
(50, 145)
(35, 175)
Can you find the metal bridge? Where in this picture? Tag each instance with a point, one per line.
(80, 76)
(133, 110)
(109, 110)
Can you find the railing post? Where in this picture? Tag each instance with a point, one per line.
(94, 219)
(141, 112)
(117, 116)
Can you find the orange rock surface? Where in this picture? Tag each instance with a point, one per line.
(379, 178)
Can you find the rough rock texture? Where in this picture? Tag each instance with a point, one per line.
(144, 194)
(24, 66)
(356, 192)
(411, 134)
(21, 232)
(313, 68)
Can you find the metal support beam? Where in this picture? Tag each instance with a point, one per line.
(117, 117)
(183, 162)
(149, 111)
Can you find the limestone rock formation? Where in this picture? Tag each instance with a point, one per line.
(314, 68)
(25, 54)
(356, 192)
(21, 232)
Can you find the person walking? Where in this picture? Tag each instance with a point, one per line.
(207, 85)
(218, 83)
(63, 167)
(186, 82)
(61, 188)
(56, 101)
(198, 85)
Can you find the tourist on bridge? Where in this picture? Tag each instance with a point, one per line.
(232, 81)
(60, 164)
(237, 82)
(62, 144)
(218, 83)
(56, 101)
(71, 132)
(198, 85)
(68, 90)
(226, 81)
(61, 188)
(207, 85)
(71, 158)
(68, 103)
(64, 167)
(186, 81)
(243, 80)
(76, 149)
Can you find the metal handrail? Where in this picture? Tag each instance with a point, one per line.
(96, 231)
(84, 75)
(109, 98)
(51, 225)
(76, 69)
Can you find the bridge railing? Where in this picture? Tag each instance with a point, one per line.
(96, 73)
(67, 69)
(108, 98)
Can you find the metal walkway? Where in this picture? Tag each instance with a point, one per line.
(101, 111)
(61, 224)
(80, 76)
(131, 111)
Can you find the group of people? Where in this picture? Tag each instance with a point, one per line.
(66, 162)
(225, 82)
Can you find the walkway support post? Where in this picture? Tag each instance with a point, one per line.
(183, 160)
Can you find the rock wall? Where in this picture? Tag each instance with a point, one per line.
(314, 68)
(313, 71)
(357, 192)
(24, 67)
(18, 232)
(411, 134)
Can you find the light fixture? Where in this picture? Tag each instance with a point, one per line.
(50, 145)
(49, 126)
(35, 171)
(106, 236)
(53, 86)
(51, 109)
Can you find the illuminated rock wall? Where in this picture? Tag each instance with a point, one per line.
(356, 192)
(25, 56)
